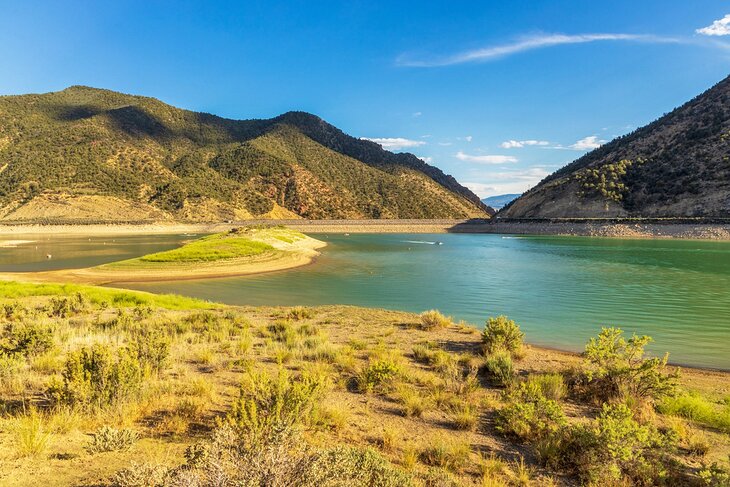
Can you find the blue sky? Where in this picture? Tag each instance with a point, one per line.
(496, 93)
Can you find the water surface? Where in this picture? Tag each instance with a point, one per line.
(560, 289)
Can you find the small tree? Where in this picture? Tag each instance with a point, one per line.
(619, 369)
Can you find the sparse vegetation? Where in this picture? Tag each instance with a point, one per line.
(122, 378)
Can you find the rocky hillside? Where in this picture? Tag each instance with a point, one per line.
(85, 154)
(677, 166)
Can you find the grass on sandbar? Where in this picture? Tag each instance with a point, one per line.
(210, 249)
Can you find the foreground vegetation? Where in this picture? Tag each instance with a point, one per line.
(106, 387)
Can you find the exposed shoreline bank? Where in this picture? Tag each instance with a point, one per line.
(668, 229)
(282, 255)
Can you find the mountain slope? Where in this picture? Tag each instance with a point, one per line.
(91, 154)
(677, 166)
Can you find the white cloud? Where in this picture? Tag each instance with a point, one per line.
(417, 114)
(486, 159)
(503, 182)
(395, 143)
(588, 143)
(719, 27)
(427, 160)
(445, 144)
(527, 44)
(468, 138)
(518, 144)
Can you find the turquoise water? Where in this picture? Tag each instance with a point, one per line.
(561, 290)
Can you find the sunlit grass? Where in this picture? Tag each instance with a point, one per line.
(99, 295)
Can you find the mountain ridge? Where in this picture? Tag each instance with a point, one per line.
(676, 166)
(86, 152)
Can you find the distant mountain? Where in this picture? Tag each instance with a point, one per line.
(92, 154)
(499, 201)
(677, 166)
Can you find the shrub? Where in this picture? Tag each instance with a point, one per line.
(299, 313)
(31, 433)
(714, 476)
(141, 475)
(26, 339)
(412, 403)
(65, 306)
(110, 439)
(529, 415)
(271, 406)
(551, 386)
(499, 368)
(446, 453)
(465, 417)
(379, 373)
(152, 348)
(616, 448)
(434, 319)
(617, 368)
(98, 377)
(501, 333)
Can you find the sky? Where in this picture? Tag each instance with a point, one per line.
(498, 94)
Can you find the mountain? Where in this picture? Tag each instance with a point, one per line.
(677, 166)
(499, 201)
(87, 154)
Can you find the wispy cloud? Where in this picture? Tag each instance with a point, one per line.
(585, 144)
(527, 44)
(485, 159)
(588, 143)
(395, 143)
(427, 160)
(518, 144)
(719, 27)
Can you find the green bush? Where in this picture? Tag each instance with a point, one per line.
(98, 377)
(271, 406)
(552, 386)
(25, 339)
(714, 476)
(617, 368)
(502, 333)
(152, 348)
(107, 439)
(378, 373)
(499, 368)
(528, 415)
(616, 449)
(433, 319)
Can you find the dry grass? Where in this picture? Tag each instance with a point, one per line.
(426, 407)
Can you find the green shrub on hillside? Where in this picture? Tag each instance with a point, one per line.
(529, 415)
(434, 319)
(271, 406)
(25, 339)
(99, 377)
(617, 449)
(618, 368)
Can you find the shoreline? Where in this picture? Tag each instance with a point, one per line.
(629, 229)
(284, 256)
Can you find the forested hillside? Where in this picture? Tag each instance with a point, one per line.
(91, 154)
(677, 166)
